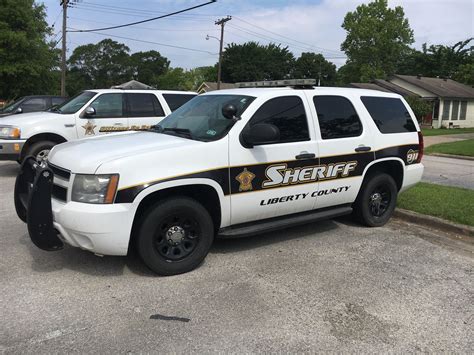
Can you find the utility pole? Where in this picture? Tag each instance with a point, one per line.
(221, 22)
(64, 4)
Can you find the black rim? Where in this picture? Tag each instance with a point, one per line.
(177, 237)
(379, 200)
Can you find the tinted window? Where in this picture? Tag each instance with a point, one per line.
(389, 114)
(34, 104)
(108, 106)
(288, 114)
(57, 100)
(337, 117)
(175, 101)
(144, 105)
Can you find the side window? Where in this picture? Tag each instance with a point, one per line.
(34, 104)
(144, 105)
(108, 106)
(175, 101)
(57, 100)
(389, 114)
(288, 114)
(337, 117)
(446, 109)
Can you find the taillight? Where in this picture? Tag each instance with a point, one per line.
(421, 147)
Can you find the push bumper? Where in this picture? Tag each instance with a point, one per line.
(11, 149)
(101, 229)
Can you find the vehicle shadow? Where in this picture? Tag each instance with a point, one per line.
(9, 169)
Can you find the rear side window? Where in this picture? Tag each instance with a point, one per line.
(144, 105)
(34, 104)
(175, 101)
(57, 100)
(288, 114)
(389, 114)
(337, 117)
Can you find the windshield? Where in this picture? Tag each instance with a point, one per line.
(201, 118)
(75, 103)
(12, 106)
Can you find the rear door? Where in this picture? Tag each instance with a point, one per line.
(345, 148)
(144, 110)
(175, 101)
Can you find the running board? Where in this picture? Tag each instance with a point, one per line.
(272, 224)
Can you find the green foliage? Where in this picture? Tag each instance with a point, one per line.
(378, 37)
(148, 66)
(314, 66)
(251, 61)
(420, 107)
(27, 61)
(463, 147)
(175, 79)
(442, 131)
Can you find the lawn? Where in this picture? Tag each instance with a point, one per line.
(443, 131)
(450, 203)
(457, 148)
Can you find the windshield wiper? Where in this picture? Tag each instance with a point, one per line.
(183, 132)
(55, 109)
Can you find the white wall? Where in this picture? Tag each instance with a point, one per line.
(468, 122)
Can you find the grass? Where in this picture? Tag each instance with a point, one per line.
(442, 131)
(450, 203)
(465, 147)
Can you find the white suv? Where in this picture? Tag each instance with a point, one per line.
(89, 113)
(227, 163)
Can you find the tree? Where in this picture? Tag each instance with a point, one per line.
(26, 58)
(251, 61)
(175, 79)
(378, 37)
(148, 66)
(420, 107)
(314, 66)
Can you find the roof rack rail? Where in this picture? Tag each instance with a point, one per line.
(295, 83)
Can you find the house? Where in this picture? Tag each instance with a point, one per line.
(452, 102)
(211, 86)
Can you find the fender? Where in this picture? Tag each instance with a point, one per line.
(224, 201)
(400, 161)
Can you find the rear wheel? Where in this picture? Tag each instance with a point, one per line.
(175, 236)
(376, 200)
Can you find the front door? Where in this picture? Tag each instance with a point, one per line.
(110, 116)
(271, 180)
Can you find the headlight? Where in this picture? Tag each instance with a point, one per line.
(9, 132)
(94, 188)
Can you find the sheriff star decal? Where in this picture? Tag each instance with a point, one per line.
(245, 178)
(89, 127)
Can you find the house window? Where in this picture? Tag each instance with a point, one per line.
(454, 114)
(436, 110)
(462, 116)
(446, 107)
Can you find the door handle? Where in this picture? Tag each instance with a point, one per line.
(363, 148)
(304, 155)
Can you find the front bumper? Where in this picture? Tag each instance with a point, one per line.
(101, 229)
(11, 149)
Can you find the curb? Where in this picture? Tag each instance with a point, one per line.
(433, 222)
(451, 156)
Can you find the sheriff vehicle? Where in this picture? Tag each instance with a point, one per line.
(227, 163)
(90, 113)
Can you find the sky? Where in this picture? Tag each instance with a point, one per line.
(302, 25)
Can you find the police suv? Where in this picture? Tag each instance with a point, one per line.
(227, 163)
(90, 113)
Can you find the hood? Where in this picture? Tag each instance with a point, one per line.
(29, 118)
(86, 155)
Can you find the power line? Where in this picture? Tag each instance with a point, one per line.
(148, 20)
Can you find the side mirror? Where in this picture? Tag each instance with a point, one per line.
(261, 133)
(18, 110)
(89, 111)
(229, 111)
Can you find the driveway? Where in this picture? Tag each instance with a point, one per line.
(448, 171)
(330, 286)
(430, 140)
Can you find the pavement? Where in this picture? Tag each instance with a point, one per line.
(430, 140)
(448, 171)
(331, 286)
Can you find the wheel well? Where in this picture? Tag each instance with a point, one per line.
(204, 194)
(41, 137)
(392, 167)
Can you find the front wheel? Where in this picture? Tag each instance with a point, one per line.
(175, 236)
(40, 150)
(376, 200)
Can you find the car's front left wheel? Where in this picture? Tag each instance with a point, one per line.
(175, 236)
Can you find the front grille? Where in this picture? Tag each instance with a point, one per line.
(59, 193)
(60, 172)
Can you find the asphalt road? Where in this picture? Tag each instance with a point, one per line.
(331, 286)
(449, 171)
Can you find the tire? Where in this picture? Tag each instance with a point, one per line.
(39, 149)
(175, 236)
(376, 200)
